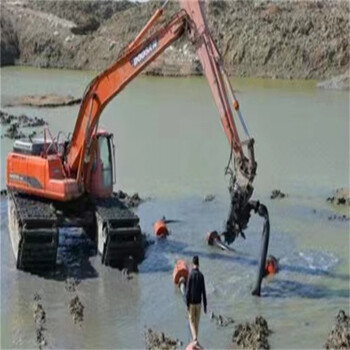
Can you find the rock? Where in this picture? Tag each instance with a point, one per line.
(252, 335)
(88, 26)
(277, 194)
(158, 341)
(3, 192)
(339, 82)
(341, 197)
(339, 337)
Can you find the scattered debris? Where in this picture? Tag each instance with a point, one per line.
(39, 316)
(252, 336)
(158, 341)
(339, 337)
(220, 320)
(71, 284)
(50, 100)
(209, 198)
(76, 309)
(130, 201)
(341, 197)
(13, 132)
(277, 194)
(338, 217)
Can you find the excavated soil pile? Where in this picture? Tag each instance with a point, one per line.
(252, 335)
(15, 123)
(222, 321)
(71, 285)
(39, 316)
(339, 337)
(158, 341)
(341, 197)
(51, 100)
(132, 201)
(76, 309)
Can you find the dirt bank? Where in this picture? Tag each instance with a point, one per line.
(289, 39)
(50, 100)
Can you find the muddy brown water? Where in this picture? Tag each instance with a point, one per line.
(170, 146)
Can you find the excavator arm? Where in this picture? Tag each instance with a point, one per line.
(134, 59)
(110, 82)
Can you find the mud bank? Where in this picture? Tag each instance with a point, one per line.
(341, 196)
(261, 39)
(158, 341)
(40, 101)
(252, 335)
(339, 337)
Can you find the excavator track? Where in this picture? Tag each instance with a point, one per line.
(119, 233)
(33, 230)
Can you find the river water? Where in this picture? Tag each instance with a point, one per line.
(171, 148)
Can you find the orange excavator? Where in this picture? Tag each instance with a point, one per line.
(54, 182)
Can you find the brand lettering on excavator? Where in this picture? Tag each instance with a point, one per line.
(28, 180)
(144, 53)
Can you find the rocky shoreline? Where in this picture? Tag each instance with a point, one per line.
(272, 39)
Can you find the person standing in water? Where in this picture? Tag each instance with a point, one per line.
(195, 291)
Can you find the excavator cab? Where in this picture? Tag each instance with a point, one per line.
(103, 165)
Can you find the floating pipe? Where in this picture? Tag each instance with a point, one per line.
(160, 229)
(213, 238)
(180, 276)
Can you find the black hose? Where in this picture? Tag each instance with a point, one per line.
(263, 212)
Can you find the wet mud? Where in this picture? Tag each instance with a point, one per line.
(252, 335)
(220, 320)
(277, 194)
(16, 123)
(39, 316)
(340, 197)
(158, 341)
(339, 337)
(50, 100)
